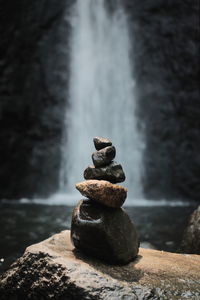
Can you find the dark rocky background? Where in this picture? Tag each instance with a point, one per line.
(166, 61)
(34, 57)
(33, 92)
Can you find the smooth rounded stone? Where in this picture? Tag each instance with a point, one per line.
(104, 156)
(100, 143)
(104, 192)
(113, 173)
(105, 233)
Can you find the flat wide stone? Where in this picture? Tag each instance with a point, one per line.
(103, 232)
(104, 156)
(52, 269)
(103, 192)
(113, 173)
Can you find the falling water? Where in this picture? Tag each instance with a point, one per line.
(102, 99)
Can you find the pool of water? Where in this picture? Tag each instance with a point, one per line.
(23, 224)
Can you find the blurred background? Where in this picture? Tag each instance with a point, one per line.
(71, 70)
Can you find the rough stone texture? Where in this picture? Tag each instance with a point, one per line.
(165, 55)
(103, 192)
(34, 57)
(104, 156)
(191, 237)
(105, 233)
(100, 143)
(53, 270)
(113, 173)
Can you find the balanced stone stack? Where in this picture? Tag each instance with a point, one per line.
(100, 227)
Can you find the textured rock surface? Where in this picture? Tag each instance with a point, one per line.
(103, 192)
(113, 173)
(53, 270)
(34, 60)
(100, 143)
(171, 115)
(105, 233)
(191, 238)
(104, 156)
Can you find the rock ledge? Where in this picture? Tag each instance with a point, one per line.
(52, 269)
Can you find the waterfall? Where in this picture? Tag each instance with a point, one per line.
(101, 97)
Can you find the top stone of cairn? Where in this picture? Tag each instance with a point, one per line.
(100, 143)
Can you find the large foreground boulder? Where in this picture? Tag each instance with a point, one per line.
(52, 269)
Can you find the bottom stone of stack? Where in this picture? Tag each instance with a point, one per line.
(103, 232)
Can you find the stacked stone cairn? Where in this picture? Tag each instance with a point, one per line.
(100, 227)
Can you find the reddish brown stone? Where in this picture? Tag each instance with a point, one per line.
(103, 192)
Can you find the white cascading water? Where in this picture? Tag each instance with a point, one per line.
(102, 100)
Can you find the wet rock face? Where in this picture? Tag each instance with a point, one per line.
(112, 172)
(104, 156)
(171, 155)
(191, 238)
(103, 192)
(103, 232)
(34, 79)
